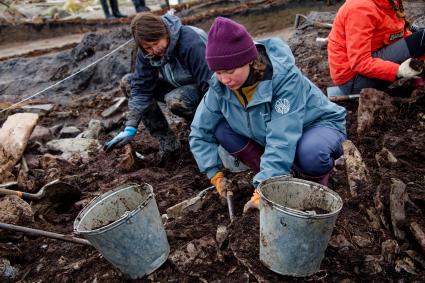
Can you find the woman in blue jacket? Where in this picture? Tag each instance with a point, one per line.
(264, 111)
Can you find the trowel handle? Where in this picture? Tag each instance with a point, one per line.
(20, 194)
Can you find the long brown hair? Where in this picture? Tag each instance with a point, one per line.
(148, 27)
(399, 9)
(258, 67)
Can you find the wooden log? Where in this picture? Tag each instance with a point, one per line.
(357, 172)
(418, 233)
(398, 197)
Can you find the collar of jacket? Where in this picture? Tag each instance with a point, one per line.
(263, 92)
(173, 25)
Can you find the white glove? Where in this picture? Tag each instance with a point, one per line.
(405, 71)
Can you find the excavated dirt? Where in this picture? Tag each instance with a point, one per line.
(354, 253)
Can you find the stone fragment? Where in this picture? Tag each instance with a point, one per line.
(339, 241)
(69, 132)
(405, 264)
(41, 134)
(14, 136)
(14, 210)
(74, 146)
(7, 271)
(221, 235)
(93, 131)
(385, 156)
(362, 242)
(389, 250)
(40, 109)
(372, 264)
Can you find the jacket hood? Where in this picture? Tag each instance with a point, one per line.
(173, 25)
(384, 4)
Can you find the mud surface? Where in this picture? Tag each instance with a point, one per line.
(357, 251)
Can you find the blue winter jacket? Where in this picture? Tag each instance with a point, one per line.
(183, 63)
(281, 109)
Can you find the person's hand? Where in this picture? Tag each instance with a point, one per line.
(406, 71)
(221, 183)
(121, 139)
(254, 202)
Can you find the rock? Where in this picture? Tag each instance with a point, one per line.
(127, 161)
(7, 271)
(384, 157)
(56, 129)
(221, 235)
(362, 242)
(33, 161)
(41, 134)
(398, 198)
(14, 136)
(14, 210)
(389, 249)
(93, 131)
(357, 172)
(78, 146)
(372, 264)
(64, 114)
(48, 161)
(40, 109)
(69, 132)
(416, 257)
(405, 264)
(114, 108)
(339, 241)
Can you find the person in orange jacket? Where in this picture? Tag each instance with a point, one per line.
(370, 45)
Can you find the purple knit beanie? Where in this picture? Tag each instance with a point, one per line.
(229, 45)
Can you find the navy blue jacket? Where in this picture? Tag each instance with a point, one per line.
(183, 63)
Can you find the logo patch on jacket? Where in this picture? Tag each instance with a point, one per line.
(396, 35)
(282, 106)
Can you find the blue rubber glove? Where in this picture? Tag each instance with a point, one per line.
(121, 139)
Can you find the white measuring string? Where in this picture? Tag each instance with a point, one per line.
(67, 78)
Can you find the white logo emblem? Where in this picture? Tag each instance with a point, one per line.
(282, 106)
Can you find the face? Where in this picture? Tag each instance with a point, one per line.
(155, 48)
(234, 78)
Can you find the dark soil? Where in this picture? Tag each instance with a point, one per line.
(196, 255)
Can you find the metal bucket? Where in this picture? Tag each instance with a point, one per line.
(229, 162)
(293, 235)
(125, 226)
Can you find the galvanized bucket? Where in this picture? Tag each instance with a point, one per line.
(296, 222)
(125, 226)
(229, 162)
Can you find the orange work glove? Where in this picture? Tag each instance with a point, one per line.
(254, 202)
(221, 183)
